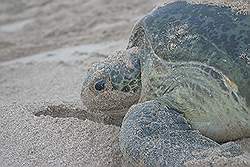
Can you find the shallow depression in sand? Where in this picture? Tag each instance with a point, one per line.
(73, 111)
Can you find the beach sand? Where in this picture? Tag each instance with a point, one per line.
(46, 48)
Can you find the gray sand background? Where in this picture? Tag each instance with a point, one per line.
(46, 48)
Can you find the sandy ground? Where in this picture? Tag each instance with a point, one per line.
(59, 39)
(28, 27)
(46, 48)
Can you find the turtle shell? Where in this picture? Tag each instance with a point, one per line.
(218, 36)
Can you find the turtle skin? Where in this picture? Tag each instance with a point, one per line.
(204, 43)
(186, 74)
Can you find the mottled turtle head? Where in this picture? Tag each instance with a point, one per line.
(112, 86)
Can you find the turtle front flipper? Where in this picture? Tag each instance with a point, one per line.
(154, 135)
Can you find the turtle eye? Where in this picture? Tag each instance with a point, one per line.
(100, 84)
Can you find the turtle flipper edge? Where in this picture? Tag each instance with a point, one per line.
(153, 135)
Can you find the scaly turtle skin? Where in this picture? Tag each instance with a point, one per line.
(187, 66)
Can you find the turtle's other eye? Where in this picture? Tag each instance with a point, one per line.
(100, 84)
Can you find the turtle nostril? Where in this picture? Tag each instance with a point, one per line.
(100, 84)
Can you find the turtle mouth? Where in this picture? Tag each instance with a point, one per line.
(109, 107)
(109, 117)
(114, 103)
(113, 100)
(113, 112)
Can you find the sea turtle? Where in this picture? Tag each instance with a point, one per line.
(183, 83)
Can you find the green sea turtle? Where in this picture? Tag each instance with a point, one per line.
(183, 83)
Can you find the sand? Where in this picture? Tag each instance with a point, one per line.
(56, 42)
(46, 48)
(28, 27)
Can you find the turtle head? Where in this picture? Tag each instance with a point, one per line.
(112, 86)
